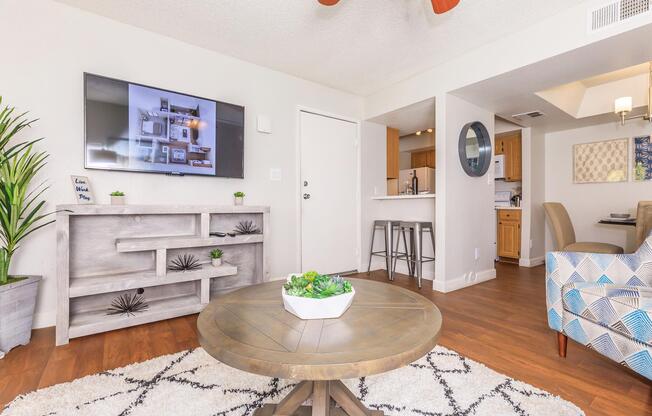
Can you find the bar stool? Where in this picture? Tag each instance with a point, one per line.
(388, 227)
(415, 257)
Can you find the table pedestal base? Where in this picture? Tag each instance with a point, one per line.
(324, 394)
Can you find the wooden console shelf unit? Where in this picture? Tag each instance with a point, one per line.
(107, 250)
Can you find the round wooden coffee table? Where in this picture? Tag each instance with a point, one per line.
(385, 328)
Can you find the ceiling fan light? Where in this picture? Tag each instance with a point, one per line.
(442, 6)
(429, 130)
(623, 105)
(418, 133)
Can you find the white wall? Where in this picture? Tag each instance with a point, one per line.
(42, 68)
(467, 208)
(537, 187)
(588, 203)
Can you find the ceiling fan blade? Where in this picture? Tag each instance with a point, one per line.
(328, 2)
(442, 6)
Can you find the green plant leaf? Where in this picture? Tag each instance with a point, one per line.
(20, 204)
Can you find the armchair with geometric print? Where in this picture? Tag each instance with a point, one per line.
(603, 301)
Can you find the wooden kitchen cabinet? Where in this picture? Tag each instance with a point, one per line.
(392, 153)
(510, 145)
(499, 145)
(423, 159)
(509, 233)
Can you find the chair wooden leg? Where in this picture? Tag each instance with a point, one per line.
(562, 343)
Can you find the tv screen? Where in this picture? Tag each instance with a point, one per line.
(136, 128)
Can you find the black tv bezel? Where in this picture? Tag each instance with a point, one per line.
(214, 175)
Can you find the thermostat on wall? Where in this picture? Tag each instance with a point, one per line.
(264, 124)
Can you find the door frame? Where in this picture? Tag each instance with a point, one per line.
(299, 184)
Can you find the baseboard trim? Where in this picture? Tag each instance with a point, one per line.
(532, 262)
(473, 278)
(43, 320)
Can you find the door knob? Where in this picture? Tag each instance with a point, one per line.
(306, 196)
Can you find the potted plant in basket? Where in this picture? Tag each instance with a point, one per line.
(238, 197)
(20, 215)
(216, 257)
(117, 198)
(314, 296)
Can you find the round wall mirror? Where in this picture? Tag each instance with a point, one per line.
(474, 148)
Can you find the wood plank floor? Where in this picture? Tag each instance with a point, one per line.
(501, 323)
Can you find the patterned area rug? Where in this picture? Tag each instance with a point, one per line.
(192, 383)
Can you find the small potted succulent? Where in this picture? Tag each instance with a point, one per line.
(238, 197)
(216, 257)
(314, 296)
(117, 198)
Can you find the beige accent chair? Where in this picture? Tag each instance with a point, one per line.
(564, 233)
(643, 221)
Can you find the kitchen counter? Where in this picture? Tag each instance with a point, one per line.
(394, 197)
(512, 208)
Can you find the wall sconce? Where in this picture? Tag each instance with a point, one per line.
(622, 107)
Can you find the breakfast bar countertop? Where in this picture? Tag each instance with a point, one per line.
(391, 197)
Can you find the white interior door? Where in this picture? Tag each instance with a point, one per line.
(329, 178)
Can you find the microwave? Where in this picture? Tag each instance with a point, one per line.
(499, 167)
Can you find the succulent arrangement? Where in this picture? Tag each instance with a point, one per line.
(117, 193)
(247, 227)
(314, 285)
(128, 304)
(216, 254)
(239, 194)
(184, 263)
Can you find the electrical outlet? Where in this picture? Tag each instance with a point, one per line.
(477, 253)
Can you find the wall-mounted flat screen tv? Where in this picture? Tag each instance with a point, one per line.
(132, 127)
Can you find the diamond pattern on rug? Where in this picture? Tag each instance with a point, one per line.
(443, 383)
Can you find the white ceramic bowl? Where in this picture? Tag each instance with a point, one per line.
(307, 308)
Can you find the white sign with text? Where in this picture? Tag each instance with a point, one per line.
(82, 188)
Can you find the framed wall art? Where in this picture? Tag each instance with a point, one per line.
(604, 161)
(642, 158)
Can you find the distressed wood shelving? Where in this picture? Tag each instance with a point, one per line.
(104, 251)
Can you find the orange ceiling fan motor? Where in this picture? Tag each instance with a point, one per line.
(438, 6)
(442, 6)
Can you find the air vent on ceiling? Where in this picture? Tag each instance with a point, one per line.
(615, 12)
(530, 114)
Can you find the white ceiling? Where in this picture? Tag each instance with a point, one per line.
(516, 92)
(408, 120)
(359, 46)
(596, 95)
(618, 75)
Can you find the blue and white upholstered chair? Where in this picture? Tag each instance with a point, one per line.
(603, 301)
